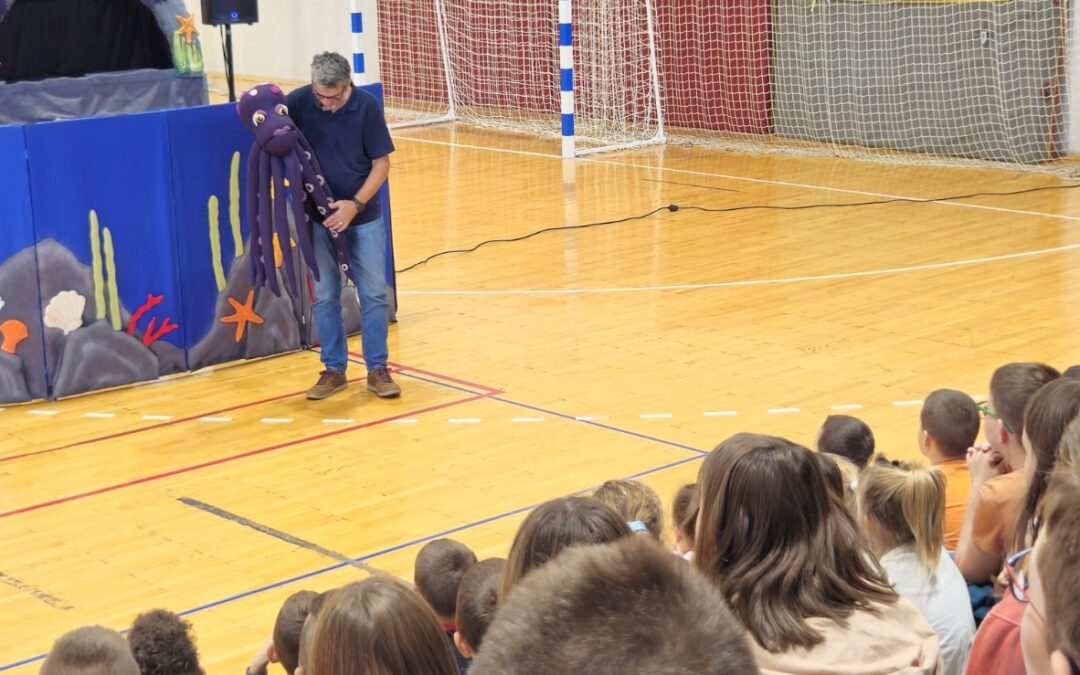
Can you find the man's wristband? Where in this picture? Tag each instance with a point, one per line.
(359, 204)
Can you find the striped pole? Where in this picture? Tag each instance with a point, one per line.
(358, 66)
(566, 76)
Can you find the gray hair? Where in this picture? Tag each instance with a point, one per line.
(329, 69)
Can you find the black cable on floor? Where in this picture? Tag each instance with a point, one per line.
(730, 209)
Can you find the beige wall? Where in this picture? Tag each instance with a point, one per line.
(279, 48)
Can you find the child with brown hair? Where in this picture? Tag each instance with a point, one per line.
(789, 559)
(948, 426)
(90, 650)
(379, 626)
(440, 566)
(636, 502)
(684, 512)
(284, 644)
(554, 526)
(163, 644)
(477, 600)
(612, 609)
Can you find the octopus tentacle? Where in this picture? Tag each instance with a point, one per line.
(255, 275)
(314, 173)
(315, 186)
(266, 226)
(281, 221)
(294, 174)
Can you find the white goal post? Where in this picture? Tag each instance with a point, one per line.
(584, 69)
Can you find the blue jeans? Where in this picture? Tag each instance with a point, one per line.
(367, 253)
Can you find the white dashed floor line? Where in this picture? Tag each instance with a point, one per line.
(477, 420)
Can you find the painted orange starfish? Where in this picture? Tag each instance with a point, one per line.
(187, 27)
(243, 314)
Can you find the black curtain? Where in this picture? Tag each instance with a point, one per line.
(40, 39)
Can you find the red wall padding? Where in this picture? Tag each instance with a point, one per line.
(714, 64)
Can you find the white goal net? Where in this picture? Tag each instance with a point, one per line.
(496, 63)
(925, 80)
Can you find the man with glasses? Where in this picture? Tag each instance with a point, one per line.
(996, 467)
(347, 131)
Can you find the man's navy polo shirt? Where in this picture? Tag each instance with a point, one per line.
(344, 142)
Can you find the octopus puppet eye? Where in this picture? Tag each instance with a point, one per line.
(258, 118)
(282, 109)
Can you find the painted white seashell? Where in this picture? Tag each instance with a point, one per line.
(65, 311)
(321, 210)
(309, 187)
(2, 303)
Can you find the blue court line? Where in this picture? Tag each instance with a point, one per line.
(376, 554)
(698, 454)
(553, 413)
(628, 432)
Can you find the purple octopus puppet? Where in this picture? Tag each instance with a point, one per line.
(281, 154)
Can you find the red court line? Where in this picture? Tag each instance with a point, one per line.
(250, 404)
(151, 427)
(233, 458)
(465, 383)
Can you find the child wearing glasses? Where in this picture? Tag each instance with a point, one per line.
(1049, 439)
(996, 466)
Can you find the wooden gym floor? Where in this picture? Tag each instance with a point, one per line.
(530, 370)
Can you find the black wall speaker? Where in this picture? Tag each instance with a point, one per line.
(220, 12)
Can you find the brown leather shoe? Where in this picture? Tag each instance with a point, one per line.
(379, 383)
(330, 382)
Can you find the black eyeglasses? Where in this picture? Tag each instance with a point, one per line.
(324, 97)
(987, 412)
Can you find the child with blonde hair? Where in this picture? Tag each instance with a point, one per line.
(901, 507)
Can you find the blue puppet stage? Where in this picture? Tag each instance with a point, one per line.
(22, 355)
(124, 254)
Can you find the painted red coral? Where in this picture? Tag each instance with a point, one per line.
(150, 335)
